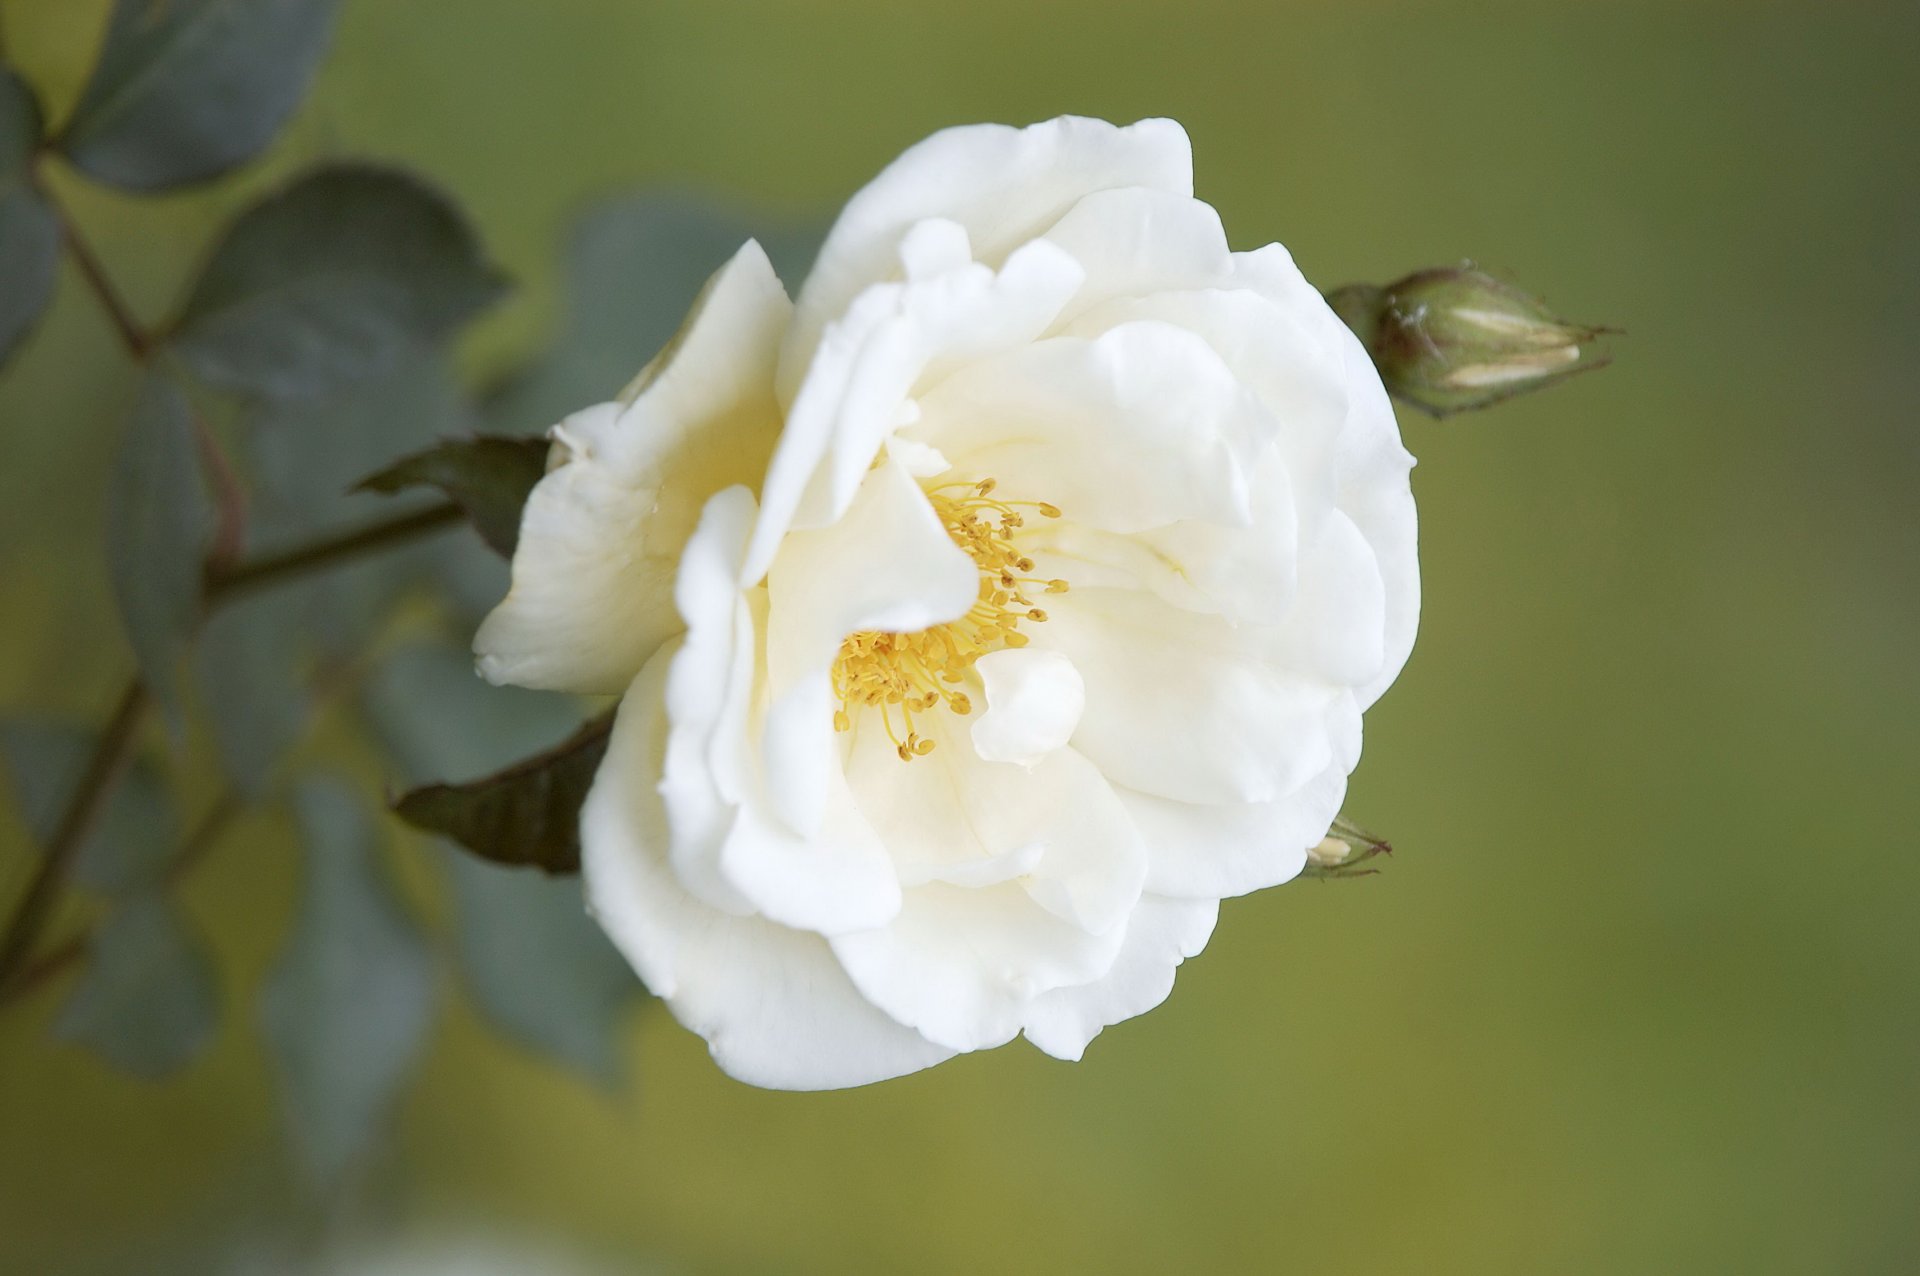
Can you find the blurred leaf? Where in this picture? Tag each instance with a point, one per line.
(252, 672)
(130, 845)
(534, 963)
(487, 476)
(186, 89)
(537, 965)
(525, 815)
(147, 1002)
(29, 232)
(305, 455)
(158, 520)
(348, 1006)
(338, 277)
(440, 718)
(634, 266)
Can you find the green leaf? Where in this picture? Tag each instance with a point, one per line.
(147, 1002)
(29, 232)
(339, 277)
(252, 672)
(525, 815)
(158, 521)
(534, 963)
(634, 266)
(303, 456)
(487, 476)
(130, 845)
(538, 967)
(187, 89)
(347, 1008)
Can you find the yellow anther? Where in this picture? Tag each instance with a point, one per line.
(920, 671)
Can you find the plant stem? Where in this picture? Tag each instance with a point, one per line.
(271, 569)
(224, 579)
(132, 335)
(104, 768)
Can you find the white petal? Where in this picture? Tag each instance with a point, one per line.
(1216, 851)
(1372, 470)
(961, 965)
(1160, 935)
(1370, 464)
(601, 534)
(1140, 427)
(1139, 241)
(775, 1007)
(950, 809)
(1034, 701)
(869, 362)
(888, 564)
(728, 846)
(1245, 574)
(1186, 705)
(1003, 185)
(708, 684)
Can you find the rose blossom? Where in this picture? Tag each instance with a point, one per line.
(983, 618)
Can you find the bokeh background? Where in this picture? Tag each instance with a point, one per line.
(1640, 990)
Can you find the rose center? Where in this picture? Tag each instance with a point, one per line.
(919, 672)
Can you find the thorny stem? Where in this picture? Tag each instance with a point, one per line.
(225, 579)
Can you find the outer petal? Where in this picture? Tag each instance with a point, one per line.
(602, 532)
(1160, 935)
(1138, 242)
(1203, 852)
(775, 1007)
(962, 965)
(1004, 185)
(1370, 464)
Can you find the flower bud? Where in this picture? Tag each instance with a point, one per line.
(1447, 341)
(1343, 850)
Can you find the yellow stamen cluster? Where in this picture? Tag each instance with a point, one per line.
(921, 671)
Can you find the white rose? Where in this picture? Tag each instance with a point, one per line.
(983, 619)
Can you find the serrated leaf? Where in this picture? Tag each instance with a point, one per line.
(634, 265)
(187, 89)
(343, 275)
(158, 522)
(129, 847)
(347, 1007)
(252, 670)
(527, 815)
(147, 1002)
(29, 231)
(534, 963)
(488, 476)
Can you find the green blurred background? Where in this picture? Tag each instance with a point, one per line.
(1640, 991)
